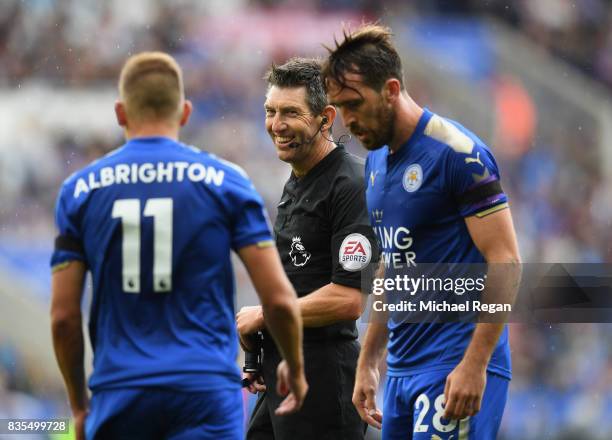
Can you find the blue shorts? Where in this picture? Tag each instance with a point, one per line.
(413, 408)
(155, 413)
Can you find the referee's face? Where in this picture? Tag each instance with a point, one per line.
(364, 111)
(290, 123)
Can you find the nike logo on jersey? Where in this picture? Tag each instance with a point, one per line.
(469, 160)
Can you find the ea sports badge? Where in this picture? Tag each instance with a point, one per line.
(355, 252)
(413, 177)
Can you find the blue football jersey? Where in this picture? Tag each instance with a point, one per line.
(155, 222)
(417, 199)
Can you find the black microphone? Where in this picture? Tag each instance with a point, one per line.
(309, 141)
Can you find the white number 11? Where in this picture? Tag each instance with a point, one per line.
(128, 210)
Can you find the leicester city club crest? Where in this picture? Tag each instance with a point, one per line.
(413, 177)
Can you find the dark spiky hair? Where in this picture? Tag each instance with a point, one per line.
(369, 52)
(301, 72)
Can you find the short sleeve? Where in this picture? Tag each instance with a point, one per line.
(68, 243)
(473, 180)
(250, 222)
(354, 245)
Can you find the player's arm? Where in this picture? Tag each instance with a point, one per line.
(368, 376)
(282, 318)
(67, 331)
(495, 237)
(278, 300)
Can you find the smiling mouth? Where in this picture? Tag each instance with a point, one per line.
(283, 141)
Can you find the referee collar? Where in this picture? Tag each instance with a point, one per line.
(319, 168)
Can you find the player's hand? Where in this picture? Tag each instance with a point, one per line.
(293, 383)
(257, 385)
(364, 396)
(463, 390)
(249, 320)
(79, 424)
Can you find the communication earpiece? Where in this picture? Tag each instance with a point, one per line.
(324, 121)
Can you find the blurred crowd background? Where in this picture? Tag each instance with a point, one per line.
(532, 78)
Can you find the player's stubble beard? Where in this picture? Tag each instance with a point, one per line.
(386, 127)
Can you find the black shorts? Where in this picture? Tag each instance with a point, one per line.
(327, 413)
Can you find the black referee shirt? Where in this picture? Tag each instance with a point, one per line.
(323, 232)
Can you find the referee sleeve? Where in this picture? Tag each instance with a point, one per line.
(354, 245)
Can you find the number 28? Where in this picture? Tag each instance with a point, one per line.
(422, 405)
